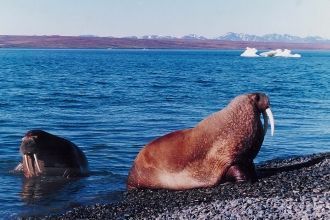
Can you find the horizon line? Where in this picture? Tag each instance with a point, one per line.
(162, 35)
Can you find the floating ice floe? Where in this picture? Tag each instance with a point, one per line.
(250, 52)
(279, 53)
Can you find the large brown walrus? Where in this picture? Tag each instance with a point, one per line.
(219, 148)
(45, 154)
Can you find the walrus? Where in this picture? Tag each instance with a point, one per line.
(218, 149)
(45, 154)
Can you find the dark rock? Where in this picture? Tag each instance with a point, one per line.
(297, 189)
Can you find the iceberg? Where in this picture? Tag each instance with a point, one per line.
(271, 53)
(250, 52)
(279, 53)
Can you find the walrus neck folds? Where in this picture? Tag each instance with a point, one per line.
(239, 119)
(233, 115)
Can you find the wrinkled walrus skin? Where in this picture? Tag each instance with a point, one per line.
(218, 149)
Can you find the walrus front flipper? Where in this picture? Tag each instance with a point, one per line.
(17, 169)
(241, 173)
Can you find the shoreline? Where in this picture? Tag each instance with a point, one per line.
(78, 42)
(154, 49)
(299, 190)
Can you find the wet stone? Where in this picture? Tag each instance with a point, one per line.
(302, 193)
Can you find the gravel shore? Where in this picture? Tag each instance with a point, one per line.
(299, 188)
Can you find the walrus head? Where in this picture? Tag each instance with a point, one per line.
(29, 150)
(47, 154)
(262, 103)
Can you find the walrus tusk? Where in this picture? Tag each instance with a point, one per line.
(264, 115)
(36, 160)
(27, 164)
(271, 120)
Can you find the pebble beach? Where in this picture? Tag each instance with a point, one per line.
(292, 188)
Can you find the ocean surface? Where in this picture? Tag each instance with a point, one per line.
(112, 102)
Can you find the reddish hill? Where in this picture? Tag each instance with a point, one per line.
(75, 42)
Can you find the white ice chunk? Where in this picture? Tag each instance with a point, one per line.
(279, 53)
(250, 52)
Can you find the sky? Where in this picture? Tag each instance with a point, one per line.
(120, 18)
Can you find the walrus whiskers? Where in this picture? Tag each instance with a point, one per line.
(36, 161)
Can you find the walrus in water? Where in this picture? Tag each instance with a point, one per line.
(49, 155)
(220, 148)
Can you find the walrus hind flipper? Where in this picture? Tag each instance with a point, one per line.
(241, 173)
(17, 169)
(73, 173)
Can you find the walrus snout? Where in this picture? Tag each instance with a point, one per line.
(29, 145)
(263, 105)
(261, 101)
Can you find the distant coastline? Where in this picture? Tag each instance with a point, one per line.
(94, 42)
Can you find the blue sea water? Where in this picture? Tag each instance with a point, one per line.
(112, 102)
